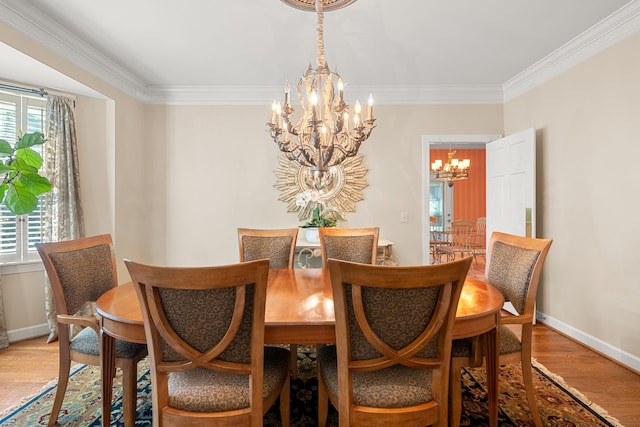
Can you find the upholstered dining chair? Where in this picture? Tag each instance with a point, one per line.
(349, 244)
(80, 271)
(514, 264)
(390, 364)
(278, 246)
(205, 332)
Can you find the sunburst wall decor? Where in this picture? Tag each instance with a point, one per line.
(343, 193)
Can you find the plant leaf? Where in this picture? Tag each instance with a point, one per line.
(30, 139)
(30, 157)
(5, 148)
(4, 168)
(19, 200)
(34, 183)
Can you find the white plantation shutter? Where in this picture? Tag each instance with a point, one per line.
(19, 234)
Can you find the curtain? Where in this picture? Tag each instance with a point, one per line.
(63, 218)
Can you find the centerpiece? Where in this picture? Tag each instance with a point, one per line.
(321, 215)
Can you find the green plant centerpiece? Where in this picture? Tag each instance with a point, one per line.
(19, 165)
(321, 215)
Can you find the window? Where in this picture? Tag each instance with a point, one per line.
(19, 234)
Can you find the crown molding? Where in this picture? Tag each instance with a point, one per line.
(611, 30)
(383, 95)
(32, 22)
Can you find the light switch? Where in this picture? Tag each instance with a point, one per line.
(404, 217)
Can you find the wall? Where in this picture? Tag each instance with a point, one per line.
(220, 166)
(588, 122)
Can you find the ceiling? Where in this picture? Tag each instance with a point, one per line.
(243, 51)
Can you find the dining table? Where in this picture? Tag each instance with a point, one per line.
(299, 309)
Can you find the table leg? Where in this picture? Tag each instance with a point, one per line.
(107, 371)
(493, 366)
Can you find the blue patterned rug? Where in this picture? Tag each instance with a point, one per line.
(559, 404)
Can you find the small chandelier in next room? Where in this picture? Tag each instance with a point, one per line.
(328, 130)
(451, 171)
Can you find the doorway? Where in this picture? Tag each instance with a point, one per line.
(442, 142)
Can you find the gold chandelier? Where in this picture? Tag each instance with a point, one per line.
(451, 171)
(322, 138)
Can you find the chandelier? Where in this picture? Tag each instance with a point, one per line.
(453, 170)
(322, 138)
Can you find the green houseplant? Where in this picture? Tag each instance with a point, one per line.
(19, 165)
(321, 215)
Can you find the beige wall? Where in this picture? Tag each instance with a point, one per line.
(219, 166)
(588, 127)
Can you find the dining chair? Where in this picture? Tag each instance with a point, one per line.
(390, 363)
(205, 332)
(80, 271)
(513, 266)
(349, 244)
(278, 246)
(478, 245)
(460, 236)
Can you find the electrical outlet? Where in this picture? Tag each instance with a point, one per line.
(404, 217)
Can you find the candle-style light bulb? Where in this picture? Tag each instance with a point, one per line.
(273, 112)
(314, 98)
(286, 94)
(370, 108)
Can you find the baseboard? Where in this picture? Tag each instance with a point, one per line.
(614, 353)
(27, 333)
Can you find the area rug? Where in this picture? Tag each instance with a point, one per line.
(559, 404)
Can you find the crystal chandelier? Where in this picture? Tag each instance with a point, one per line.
(453, 170)
(322, 138)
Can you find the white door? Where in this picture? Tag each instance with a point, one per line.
(511, 184)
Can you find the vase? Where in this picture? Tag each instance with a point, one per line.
(312, 235)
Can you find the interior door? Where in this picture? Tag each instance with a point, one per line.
(511, 184)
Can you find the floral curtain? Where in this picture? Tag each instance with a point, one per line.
(63, 218)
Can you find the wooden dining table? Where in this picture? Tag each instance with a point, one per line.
(299, 309)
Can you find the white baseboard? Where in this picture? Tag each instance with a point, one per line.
(624, 358)
(27, 333)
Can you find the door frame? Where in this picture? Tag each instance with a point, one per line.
(442, 141)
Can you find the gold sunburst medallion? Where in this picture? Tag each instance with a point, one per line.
(344, 191)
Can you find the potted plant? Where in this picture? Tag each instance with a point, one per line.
(19, 165)
(321, 215)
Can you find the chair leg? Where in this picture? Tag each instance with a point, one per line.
(455, 395)
(293, 363)
(285, 403)
(323, 401)
(527, 376)
(129, 391)
(63, 378)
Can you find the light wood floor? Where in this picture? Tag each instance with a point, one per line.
(25, 367)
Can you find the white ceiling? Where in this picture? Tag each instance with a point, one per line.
(243, 51)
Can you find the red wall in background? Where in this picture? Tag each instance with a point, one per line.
(469, 195)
